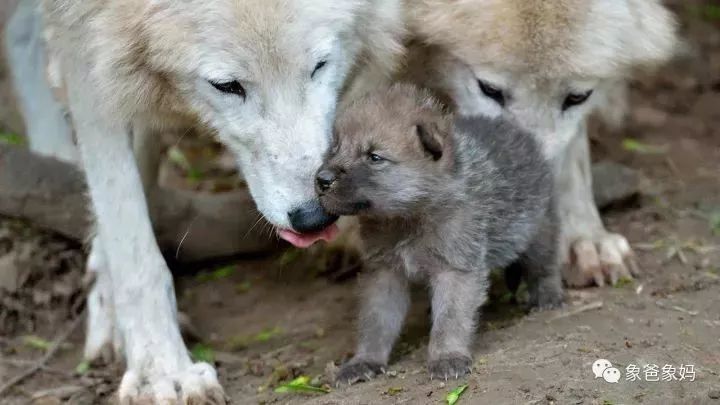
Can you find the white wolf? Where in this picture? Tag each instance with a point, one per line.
(547, 64)
(266, 75)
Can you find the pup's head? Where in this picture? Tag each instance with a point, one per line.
(391, 155)
(543, 63)
(266, 74)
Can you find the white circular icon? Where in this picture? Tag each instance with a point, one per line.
(611, 375)
(599, 366)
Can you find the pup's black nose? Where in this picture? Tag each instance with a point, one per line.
(325, 178)
(310, 217)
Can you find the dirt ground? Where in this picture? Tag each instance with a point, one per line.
(264, 321)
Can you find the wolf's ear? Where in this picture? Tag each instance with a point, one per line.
(429, 135)
(653, 29)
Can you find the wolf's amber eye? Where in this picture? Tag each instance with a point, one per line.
(574, 99)
(492, 92)
(375, 158)
(233, 87)
(318, 67)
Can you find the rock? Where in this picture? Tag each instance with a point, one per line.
(613, 182)
(9, 273)
(14, 269)
(191, 226)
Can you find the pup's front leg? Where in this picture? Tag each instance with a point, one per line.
(159, 368)
(588, 252)
(541, 267)
(384, 303)
(456, 297)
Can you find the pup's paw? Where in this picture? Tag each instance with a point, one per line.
(196, 385)
(546, 295)
(545, 304)
(450, 367)
(605, 258)
(357, 371)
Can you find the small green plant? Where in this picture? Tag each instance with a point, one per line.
(201, 352)
(36, 342)
(715, 223)
(83, 367)
(454, 396)
(633, 145)
(301, 384)
(11, 139)
(219, 274)
(623, 282)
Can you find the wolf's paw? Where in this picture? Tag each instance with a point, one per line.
(357, 371)
(450, 367)
(197, 385)
(605, 258)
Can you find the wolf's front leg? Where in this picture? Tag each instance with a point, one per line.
(456, 297)
(588, 252)
(102, 339)
(384, 302)
(159, 368)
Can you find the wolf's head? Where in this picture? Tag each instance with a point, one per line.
(391, 155)
(544, 63)
(267, 75)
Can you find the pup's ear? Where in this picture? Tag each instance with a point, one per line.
(429, 135)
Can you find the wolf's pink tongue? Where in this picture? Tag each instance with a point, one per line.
(304, 240)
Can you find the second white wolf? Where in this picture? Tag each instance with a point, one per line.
(547, 64)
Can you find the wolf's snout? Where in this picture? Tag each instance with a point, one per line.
(310, 218)
(325, 178)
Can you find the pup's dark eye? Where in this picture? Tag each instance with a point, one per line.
(375, 158)
(574, 99)
(492, 92)
(233, 87)
(318, 67)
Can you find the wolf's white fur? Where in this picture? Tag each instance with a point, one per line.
(49, 135)
(138, 66)
(538, 52)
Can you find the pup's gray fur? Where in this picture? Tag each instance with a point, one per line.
(440, 200)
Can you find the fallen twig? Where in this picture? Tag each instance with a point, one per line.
(40, 364)
(584, 308)
(677, 308)
(25, 363)
(64, 392)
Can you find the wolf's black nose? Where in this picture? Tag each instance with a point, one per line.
(325, 178)
(310, 217)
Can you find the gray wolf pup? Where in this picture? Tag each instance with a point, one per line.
(443, 201)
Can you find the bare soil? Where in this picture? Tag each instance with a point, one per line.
(269, 320)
